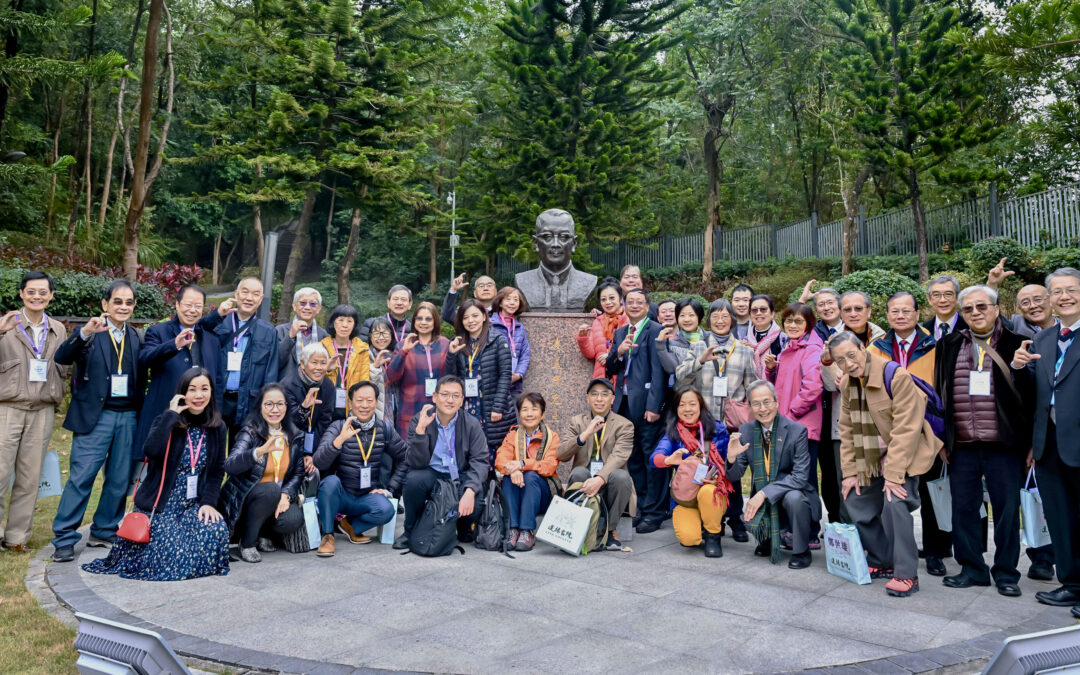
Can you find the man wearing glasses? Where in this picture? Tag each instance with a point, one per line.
(32, 390)
(484, 290)
(302, 331)
(106, 392)
(443, 444)
(987, 436)
(941, 293)
(556, 285)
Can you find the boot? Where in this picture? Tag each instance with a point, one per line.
(713, 549)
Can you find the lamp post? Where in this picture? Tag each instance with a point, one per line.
(451, 200)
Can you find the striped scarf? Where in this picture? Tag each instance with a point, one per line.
(864, 434)
(766, 524)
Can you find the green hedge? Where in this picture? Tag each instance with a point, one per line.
(79, 294)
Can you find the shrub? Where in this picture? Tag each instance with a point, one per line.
(170, 277)
(41, 258)
(879, 285)
(989, 252)
(1045, 262)
(908, 265)
(788, 279)
(660, 296)
(79, 294)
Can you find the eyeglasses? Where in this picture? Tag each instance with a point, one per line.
(853, 359)
(273, 405)
(308, 303)
(33, 293)
(979, 307)
(1033, 302)
(795, 321)
(825, 304)
(760, 310)
(383, 332)
(450, 395)
(486, 284)
(942, 295)
(190, 307)
(901, 312)
(1071, 291)
(854, 309)
(763, 405)
(130, 302)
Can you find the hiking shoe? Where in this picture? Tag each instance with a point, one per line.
(713, 548)
(14, 548)
(265, 545)
(525, 541)
(613, 543)
(64, 554)
(815, 544)
(251, 555)
(345, 527)
(326, 547)
(785, 540)
(515, 533)
(901, 588)
(879, 572)
(97, 542)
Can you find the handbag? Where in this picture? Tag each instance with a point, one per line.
(1034, 530)
(135, 527)
(844, 555)
(684, 489)
(566, 525)
(941, 499)
(736, 414)
(50, 483)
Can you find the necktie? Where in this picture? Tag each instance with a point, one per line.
(633, 329)
(944, 329)
(1066, 335)
(903, 346)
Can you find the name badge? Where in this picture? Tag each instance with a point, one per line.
(719, 387)
(701, 473)
(595, 466)
(979, 383)
(429, 386)
(39, 370)
(192, 487)
(472, 387)
(309, 442)
(365, 477)
(234, 359)
(339, 399)
(454, 470)
(118, 386)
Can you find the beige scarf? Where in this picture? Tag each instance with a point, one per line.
(864, 434)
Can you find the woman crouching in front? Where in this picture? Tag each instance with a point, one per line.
(527, 458)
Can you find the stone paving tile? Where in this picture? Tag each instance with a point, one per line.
(931, 599)
(398, 607)
(577, 603)
(913, 663)
(700, 628)
(906, 630)
(492, 583)
(996, 610)
(582, 652)
(747, 598)
(883, 667)
(640, 576)
(420, 652)
(943, 655)
(547, 560)
(776, 647)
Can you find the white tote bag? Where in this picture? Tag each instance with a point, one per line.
(941, 499)
(50, 484)
(1031, 508)
(565, 526)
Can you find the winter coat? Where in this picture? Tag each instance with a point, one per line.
(798, 383)
(593, 343)
(245, 472)
(519, 349)
(491, 367)
(166, 435)
(347, 462)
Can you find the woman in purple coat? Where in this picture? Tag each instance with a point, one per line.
(507, 306)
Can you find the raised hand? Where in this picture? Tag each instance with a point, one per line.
(311, 399)
(664, 334)
(583, 329)
(184, 338)
(458, 283)
(998, 274)
(1022, 357)
(710, 354)
(427, 415)
(178, 404)
(770, 361)
(595, 425)
(10, 320)
(381, 358)
(410, 341)
(346, 430)
(457, 345)
(625, 345)
(807, 293)
(297, 326)
(97, 324)
(735, 446)
(227, 306)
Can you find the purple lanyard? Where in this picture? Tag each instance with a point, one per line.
(398, 339)
(237, 336)
(40, 348)
(427, 353)
(509, 322)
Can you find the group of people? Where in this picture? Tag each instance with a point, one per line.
(229, 420)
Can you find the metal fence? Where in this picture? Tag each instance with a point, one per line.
(1044, 219)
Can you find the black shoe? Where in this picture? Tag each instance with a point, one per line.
(401, 508)
(740, 535)
(963, 580)
(646, 526)
(713, 549)
(64, 554)
(1008, 589)
(1041, 572)
(100, 542)
(1059, 597)
(1076, 612)
(764, 549)
(401, 542)
(636, 522)
(800, 560)
(935, 566)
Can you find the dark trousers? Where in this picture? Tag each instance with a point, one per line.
(650, 483)
(1003, 469)
(228, 414)
(1059, 487)
(829, 461)
(936, 542)
(734, 512)
(417, 489)
(1043, 555)
(524, 503)
(257, 517)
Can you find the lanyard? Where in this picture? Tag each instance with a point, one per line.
(276, 454)
(237, 333)
(982, 355)
(704, 448)
(633, 342)
(310, 417)
(398, 339)
(472, 356)
(194, 451)
(766, 450)
(599, 440)
(721, 369)
(119, 351)
(528, 442)
(38, 349)
(365, 455)
(427, 353)
(343, 367)
(509, 322)
(447, 434)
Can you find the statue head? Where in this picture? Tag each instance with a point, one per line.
(554, 239)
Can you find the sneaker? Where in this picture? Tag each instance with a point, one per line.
(251, 555)
(815, 544)
(64, 554)
(785, 540)
(326, 547)
(401, 543)
(345, 527)
(265, 545)
(613, 543)
(880, 572)
(515, 533)
(526, 541)
(901, 588)
(96, 542)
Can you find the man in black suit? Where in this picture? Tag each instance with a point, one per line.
(105, 395)
(942, 292)
(773, 440)
(1051, 360)
(639, 396)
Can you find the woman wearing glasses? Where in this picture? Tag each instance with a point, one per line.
(350, 357)
(382, 347)
(764, 334)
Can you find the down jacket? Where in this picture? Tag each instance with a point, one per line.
(798, 383)
(245, 472)
(492, 366)
(347, 462)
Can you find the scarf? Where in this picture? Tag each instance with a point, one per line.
(304, 378)
(692, 442)
(611, 324)
(721, 340)
(864, 434)
(366, 426)
(692, 337)
(523, 450)
(767, 526)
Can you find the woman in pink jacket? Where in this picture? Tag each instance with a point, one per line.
(595, 341)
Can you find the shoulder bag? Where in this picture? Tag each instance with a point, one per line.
(135, 527)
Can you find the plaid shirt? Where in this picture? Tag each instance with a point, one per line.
(739, 371)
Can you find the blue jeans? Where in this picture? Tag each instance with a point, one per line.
(525, 502)
(364, 512)
(108, 444)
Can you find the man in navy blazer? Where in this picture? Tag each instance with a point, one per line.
(1051, 360)
(105, 395)
(639, 396)
(169, 349)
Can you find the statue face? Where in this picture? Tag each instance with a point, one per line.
(555, 242)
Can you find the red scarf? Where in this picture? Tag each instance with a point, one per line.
(611, 324)
(691, 440)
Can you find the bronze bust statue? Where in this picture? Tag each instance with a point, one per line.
(555, 286)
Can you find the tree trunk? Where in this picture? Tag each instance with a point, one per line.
(345, 266)
(433, 278)
(330, 219)
(11, 48)
(137, 203)
(299, 251)
(86, 166)
(712, 215)
(55, 156)
(215, 271)
(256, 222)
(920, 226)
(851, 195)
(228, 258)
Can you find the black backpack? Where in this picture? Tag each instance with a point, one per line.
(492, 525)
(435, 532)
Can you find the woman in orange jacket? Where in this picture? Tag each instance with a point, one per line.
(527, 458)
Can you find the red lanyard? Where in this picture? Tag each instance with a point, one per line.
(195, 451)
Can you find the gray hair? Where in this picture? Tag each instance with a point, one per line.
(842, 337)
(828, 291)
(554, 215)
(1063, 272)
(943, 279)
(306, 290)
(719, 305)
(758, 384)
(313, 349)
(399, 287)
(864, 296)
(990, 293)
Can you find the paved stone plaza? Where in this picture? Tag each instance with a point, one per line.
(660, 609)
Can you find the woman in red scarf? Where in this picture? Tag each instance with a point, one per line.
(693, 432)
(595, 341)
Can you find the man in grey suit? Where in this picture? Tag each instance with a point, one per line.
(779, 459)
(555, 286)
(302, 331)
(1051, 359)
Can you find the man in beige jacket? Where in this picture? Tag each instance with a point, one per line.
(885, 445)
(599, 445)
(31, 386)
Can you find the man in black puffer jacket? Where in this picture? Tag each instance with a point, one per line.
(350, 460)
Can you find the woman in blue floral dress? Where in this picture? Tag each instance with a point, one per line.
(188, 537)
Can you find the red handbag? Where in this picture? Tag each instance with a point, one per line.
(135, 527)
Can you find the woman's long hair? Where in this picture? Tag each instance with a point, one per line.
(708, 422)
(459, 326)
(257, 426)
(210, 417)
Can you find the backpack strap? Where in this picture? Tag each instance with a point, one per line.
(890, 372)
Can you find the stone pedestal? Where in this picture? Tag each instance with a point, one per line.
(557, 369)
